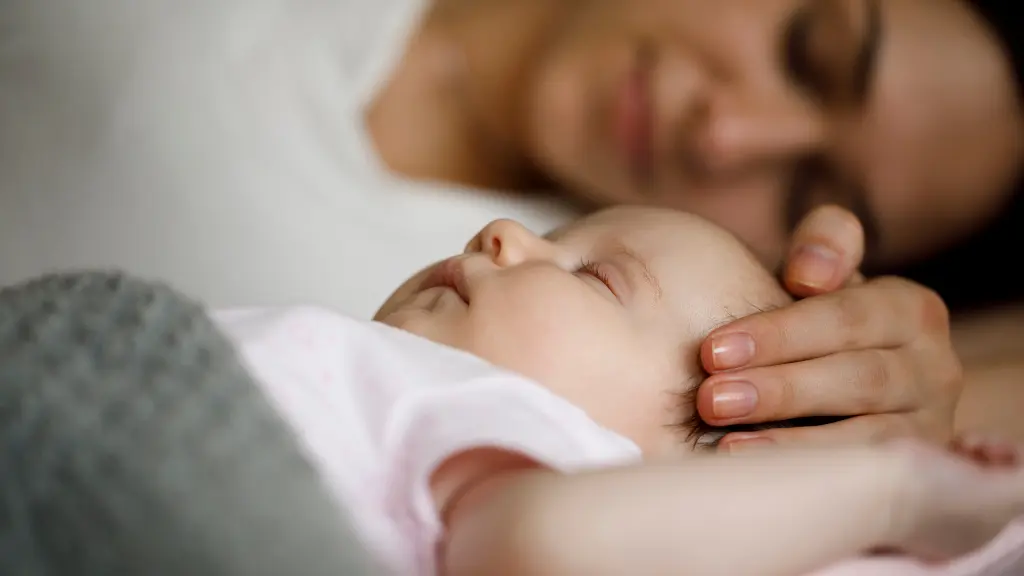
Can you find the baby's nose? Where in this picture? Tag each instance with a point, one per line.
(508, 243)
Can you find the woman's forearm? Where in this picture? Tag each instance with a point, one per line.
(771, 514)
(996, 334)
(991, 347)
(993, 398)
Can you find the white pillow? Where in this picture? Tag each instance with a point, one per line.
(219, 146)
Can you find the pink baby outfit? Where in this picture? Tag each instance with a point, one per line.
(377, 409)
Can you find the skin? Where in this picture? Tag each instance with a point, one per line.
(992, 350)
(618, 337)
(907, 496)
(934, 136)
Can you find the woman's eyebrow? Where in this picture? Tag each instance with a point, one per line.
(620, 249)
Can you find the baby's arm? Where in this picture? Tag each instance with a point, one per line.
(772, 514)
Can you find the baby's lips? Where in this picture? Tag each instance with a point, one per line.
(449, 273)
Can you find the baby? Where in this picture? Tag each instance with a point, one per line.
(526, 408)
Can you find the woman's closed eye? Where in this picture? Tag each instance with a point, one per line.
(825, 55)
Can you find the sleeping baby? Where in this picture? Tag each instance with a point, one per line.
(526, 408)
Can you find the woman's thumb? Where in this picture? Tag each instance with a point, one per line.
(826, 252)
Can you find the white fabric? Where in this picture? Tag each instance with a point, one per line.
(218, 145)
(377, 409)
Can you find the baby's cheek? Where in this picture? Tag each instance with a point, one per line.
(640, 399)
(558, 333)
(552, 351)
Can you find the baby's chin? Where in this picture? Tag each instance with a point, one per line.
(432, 314)
(399, 297)
(391, 305)
(410, 315)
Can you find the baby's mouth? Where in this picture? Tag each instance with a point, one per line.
(448, 274)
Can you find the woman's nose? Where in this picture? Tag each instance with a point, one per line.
(738, 139)
(508, 243)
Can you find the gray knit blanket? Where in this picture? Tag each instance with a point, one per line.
(133, 442)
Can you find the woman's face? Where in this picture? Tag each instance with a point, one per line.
(748, 112)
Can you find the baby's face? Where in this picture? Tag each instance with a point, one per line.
(609, 312)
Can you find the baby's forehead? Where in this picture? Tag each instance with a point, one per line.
(653, 232)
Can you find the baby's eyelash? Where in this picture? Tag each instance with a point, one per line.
(594, 269)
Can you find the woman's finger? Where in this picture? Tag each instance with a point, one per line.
(871, 381)
(826, 251)
(884, 313)
(871, 429)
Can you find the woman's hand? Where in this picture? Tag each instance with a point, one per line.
(877, 353)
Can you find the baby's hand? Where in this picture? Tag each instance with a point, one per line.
(960, 498)
(986, 452)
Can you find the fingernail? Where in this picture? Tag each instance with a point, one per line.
(731, 350)
(749, 444)
(734, 399)
(816, 266)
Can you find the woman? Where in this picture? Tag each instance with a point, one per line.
(260, 151)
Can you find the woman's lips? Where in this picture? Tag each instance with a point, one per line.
(634, 119)
(449, 274)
